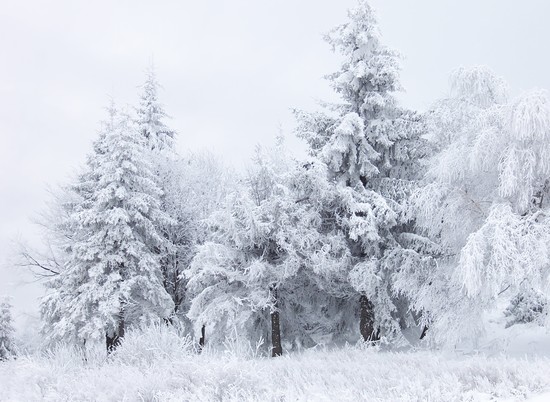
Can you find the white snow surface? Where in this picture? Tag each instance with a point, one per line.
(340, 375)
(158, 365)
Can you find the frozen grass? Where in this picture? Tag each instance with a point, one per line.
(172, 371)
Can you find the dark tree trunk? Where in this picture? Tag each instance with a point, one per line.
(113, 341)
(424, 330)
(177, 298)
(276, 348)
(366, 324)
(202, 338)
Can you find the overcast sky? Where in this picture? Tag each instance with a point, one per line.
(230, 70)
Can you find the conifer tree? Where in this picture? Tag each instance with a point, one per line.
(150, 115)
(169, 172)
(7, 343)
(373, 150)
(113, 278)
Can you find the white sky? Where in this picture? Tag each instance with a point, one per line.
(230, 70)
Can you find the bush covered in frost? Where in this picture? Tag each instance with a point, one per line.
(144, 346)
(527, 306)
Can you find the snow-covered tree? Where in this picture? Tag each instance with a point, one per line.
(195, 186)
(191, 187)
(160, 150)
(236, 275)
(527, 306)
(7, 342)
(151, 115)
(113, 278)
(254, 275)
(373, 150)
(485, 201)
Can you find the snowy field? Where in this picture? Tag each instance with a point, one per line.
(346, 374)
(172, 371)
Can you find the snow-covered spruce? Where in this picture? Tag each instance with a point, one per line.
(373, 151)
(150, 115)
(112, 279)
(7, 331)
(160, 151)
(193, 185)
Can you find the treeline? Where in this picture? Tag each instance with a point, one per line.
(397, 226)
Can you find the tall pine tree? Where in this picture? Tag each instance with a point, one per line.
(373, 150)
(180, 232)
(150, 115)
(112, 279)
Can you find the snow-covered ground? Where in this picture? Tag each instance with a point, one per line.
(172, 372)
(158, 364)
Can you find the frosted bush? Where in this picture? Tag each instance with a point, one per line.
(68, 355)
(527, 306)
(237, 346)
(144, 346)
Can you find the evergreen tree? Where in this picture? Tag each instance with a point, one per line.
(113, 278)
(373, 150)
(7, 343)
(150, 116)
(159, 140)
(170, 171)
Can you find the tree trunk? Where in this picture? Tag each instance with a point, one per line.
(424, 330)
(177, 299)
(202, 338)
(366, 324)
(276, 348)
(113, 341)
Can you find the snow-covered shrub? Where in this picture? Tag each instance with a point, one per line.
(527, 306)
(147, 345)
(237, 346)
(67, 355)
(7, 345)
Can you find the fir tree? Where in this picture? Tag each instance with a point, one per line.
(169, 173)
(373, 150)
(7, 343)
(113, 278)
(150, 116)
